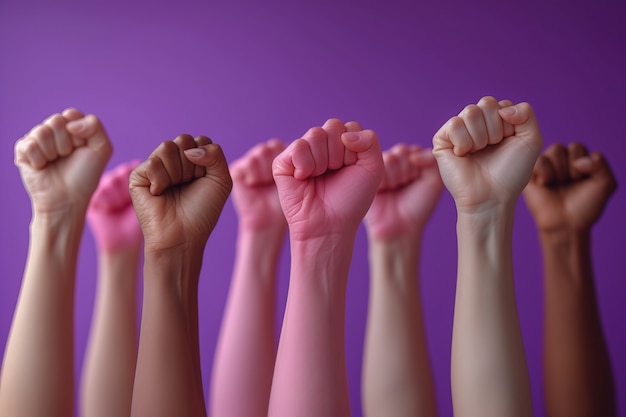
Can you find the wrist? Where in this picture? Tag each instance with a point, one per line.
(327, 257)
(567, 254)
(395, 260)
(485, 238)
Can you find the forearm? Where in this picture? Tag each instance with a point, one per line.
(110, 360)
(165, 378)
(489, 371)
(397, 376)
(39, 355)
(577, 367)
(310, 374)
(245, 354)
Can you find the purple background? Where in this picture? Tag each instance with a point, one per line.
(242, 71)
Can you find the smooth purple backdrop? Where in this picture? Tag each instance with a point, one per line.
(243, 71)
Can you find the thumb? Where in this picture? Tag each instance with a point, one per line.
(525, 125)
(212, 159)
(367, 147)
(91, 130)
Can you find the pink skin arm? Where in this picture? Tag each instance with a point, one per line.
(326, 182)
(178, 194)
(567, 194)
(485, 157)
(60, 162)
(109, 370)
(246, 348)
(397, 376)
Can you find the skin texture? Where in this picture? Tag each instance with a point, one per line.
(109, 369)
(60, 162)
(567, 194)
(397, 375)
(244, 360)
(485, 156)
(178, 194)
(326, 181)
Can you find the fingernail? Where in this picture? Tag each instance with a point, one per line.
(195, 152)
(508, 111)
(76, 125)
(351, 136)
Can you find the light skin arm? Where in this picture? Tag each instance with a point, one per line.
(326, 181)
(60, 162)
(485, 156)
(397, 375)
(567, 194)
(109, 370)
(246, 350)
(178, 194)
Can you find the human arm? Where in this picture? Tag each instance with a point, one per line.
(244, 360)
(326, 181)
(178, 194)
(567, 194)
(397, 375)
(111, 357)
(60, 162)
(485, 156)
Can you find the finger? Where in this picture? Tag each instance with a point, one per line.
(575, 151)
(475, 124)
(422, 158)
(366, 146)
(151, 174)
(201, 141)
(507, 128)
(318, 141)
(27, 152)
(62, 139)
(90, 129)
(391, 177)
(44, 136)
(493, 121)
(334, 128)
(212, 158)
(187, 168)
(72, 114)
(598, 168)
(167, 172)
(301, 159)
(349, 157)
(455, 136)
(407, 170)
(557, 154)
(523, 119)
(266, 156)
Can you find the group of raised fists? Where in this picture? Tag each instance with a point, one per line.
(318, 189)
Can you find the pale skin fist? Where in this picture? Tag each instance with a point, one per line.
(111, 215)
(179, 192)
(61, 161)
(327, 179)
(407, 195)
(569, 188)
(487, 152)
(254, 192)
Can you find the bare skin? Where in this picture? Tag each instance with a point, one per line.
(178, 194)
(326, 182)
(397, 375)
(485, 156)
(109, 370)
(60, 162)
(244, 360)
(567, 194)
